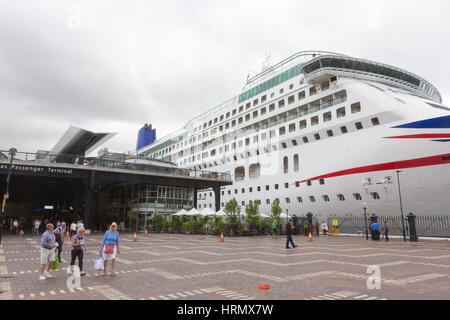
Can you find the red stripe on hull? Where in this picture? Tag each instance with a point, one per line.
(423, 136)
(413, 163)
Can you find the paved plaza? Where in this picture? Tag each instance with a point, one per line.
(196, 267)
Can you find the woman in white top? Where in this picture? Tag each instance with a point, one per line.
(324, 228)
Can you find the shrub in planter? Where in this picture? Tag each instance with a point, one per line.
(157, 222)
(165, 226)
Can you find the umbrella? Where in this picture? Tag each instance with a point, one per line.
(182, 212)
(207, 212)
(193, 212)
(220, 213)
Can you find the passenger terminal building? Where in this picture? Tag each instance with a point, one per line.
(63, 184)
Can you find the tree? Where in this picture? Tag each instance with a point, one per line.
(157, 222)
(252, 212)
(276, 209)
(231, 209)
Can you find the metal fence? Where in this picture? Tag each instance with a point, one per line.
(425, 226)
(152, 165)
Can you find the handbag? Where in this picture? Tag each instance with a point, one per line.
(98, 265)
(110, 248)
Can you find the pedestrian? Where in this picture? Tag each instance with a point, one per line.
(59, 238)
(374, 228)
(317, 227)
(324, 228)
(274, 228)
(48, 245)
(110, 247)
(16, 226)
(385, 230)
(21, 227)
(73, 229)
(289, 228)
(37, 224)
(78, 248)
(305, 227)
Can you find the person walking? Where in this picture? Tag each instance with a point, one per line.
(317, 228)
(37, 224)
(78, 248)
(59, 238)
(289, 228)
(305, 227)
(385, 230)
(374, 228)
(274, 228)
(110, 247)
(16, 226)
(73, 229)
(48, 245)
(324, 228)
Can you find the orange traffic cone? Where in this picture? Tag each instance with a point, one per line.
(310, 237)
(135, 239)
(67, 234)
(145, 234)
(221, 237)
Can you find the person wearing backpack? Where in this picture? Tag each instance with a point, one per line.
(110, 247)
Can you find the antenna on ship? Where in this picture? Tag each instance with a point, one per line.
(266, 63)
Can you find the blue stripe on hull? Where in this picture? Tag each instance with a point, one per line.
(435, 123)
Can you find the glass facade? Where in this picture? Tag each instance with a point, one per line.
(282, 77)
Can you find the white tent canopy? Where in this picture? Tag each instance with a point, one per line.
(220, 213)
(193, 212)
(284, 216)
(207, 212)
(182, 212)
(263, 215)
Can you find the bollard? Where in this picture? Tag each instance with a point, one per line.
(412, 227)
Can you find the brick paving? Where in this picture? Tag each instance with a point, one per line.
(196, 267)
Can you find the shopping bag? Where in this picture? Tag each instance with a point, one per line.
(98, 265)
(56, 264)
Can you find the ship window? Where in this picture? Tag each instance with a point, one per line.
(358, 125)
(255, 102)
(292, 127)
(233, 123)
(299, 199)
(301, 95)
(272, 95)
(291, 86)
(291, 100)
(325, 85)
(308, 183)
(243, 190)
(234, 112)
(263, 111)
(247, 117)
(228, 115)
(344, 129)
(375, 121)
(267, 188)
(327, 116)
(375, 196)
(263, 98)
(285, 164)
(317, 136)
(283, 144)
(312, 91)
(297, 184)
(247, 141)
(302, 124)
(276, 187)
(314, 120)
(356, 107)
(312, 199)
(357, 196)
(326, 198)
(281, 104)
(235, 191)
(341, 197)
(247, 106)
(271, 107)
(241, 108)
(267, 201)
(296, 165)
(305, 139)
(288, 200)
(294, 142)
(330, 133)
(281, 91)
(282, 131)
(286, 185)
(255, 114)
(255, 139)
(227, 125)
(340, 112)
(321, 181)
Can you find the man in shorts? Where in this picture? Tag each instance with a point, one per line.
(48, 245)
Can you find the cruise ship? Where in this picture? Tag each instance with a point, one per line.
(323, 133)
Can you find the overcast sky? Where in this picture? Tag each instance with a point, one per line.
(111, 66)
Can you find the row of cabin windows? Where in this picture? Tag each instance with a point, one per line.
(358, 125)
(262, 111)
(312, 199)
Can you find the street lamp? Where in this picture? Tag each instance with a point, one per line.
(401, 206)
(365, 220)
(12, 152)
